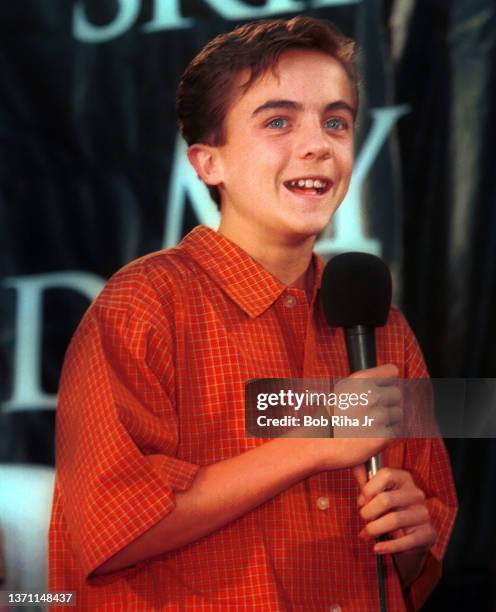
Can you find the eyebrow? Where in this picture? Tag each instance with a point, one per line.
(292, 105)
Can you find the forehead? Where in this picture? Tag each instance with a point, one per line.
(309, 77)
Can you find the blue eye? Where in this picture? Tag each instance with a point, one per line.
(335, 123)
(278, 122)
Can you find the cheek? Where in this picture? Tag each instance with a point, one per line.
(262, 164)
(275, 159)
(346, 161)
(246, 158)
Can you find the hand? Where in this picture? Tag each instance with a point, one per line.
(382, 412)
(391, 503)
(352, 446)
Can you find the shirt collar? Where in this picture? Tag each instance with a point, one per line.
(242, 278)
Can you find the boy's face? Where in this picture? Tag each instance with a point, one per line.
(287, 161)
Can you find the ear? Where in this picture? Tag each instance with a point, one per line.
(206, 162)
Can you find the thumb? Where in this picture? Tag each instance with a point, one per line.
(388, 370)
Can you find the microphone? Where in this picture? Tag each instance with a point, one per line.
(356, 294)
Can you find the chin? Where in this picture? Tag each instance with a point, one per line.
(310, 226)
(304, 230)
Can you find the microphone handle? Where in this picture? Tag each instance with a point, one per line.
(360, 345)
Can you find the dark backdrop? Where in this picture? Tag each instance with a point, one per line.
(447, 73)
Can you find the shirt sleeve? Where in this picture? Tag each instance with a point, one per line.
(117, 432)
(428, 462)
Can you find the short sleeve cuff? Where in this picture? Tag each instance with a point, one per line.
(119, 519)
(176, 473)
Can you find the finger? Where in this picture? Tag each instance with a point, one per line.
(388, 432)
(395, 415)
(384, 396)
(397, 430)
(360, 474)
(384, 423)
(380, 434)
(386, 479)
(422, 537)
(384, 415)
(410, 517)
(390, 396)
(387, 501)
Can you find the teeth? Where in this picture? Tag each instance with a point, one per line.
(308, 183)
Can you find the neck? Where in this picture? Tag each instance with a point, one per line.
(287, 260)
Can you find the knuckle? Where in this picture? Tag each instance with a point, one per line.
(420, 495)
(424, 513)
(372, 400)
(384, 500)
(396, 520)
(382, 417)
(387, 472)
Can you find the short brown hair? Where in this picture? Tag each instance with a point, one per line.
(205, 91)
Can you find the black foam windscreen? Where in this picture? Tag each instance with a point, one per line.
(356, 290)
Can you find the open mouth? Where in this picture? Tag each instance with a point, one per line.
(308, 186)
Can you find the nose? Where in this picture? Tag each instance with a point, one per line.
(314, 142)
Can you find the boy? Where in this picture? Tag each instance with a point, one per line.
(161, 502)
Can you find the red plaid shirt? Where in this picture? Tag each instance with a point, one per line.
(153, 388)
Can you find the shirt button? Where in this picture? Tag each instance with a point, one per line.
(323, 504)
(289, 301)
(335, 608)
